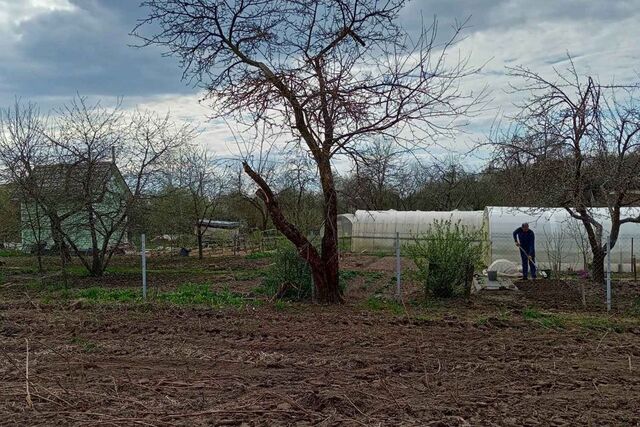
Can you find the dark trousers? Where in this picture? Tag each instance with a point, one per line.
(526, 264)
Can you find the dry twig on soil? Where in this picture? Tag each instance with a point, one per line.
(28, 397)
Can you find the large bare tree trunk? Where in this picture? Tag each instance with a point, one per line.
(97, 268)
(325, 266)
(598, 265)
(199, 237)
(330, 292)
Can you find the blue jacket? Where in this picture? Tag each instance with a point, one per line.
(527, 240)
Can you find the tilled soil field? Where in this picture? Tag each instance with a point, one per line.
(457, 363)
(307, 365)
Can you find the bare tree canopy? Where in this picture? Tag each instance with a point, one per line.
(204, 179)
(328, 74)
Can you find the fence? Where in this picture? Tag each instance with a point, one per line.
(562, 254)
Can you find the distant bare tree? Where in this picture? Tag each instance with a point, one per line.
(448, 183)
(244, 191)
(576, 144)
(325, 74)
(205, 180)
(22, 148)
(377, 173)
(295, 183)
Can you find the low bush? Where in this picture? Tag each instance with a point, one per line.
(446, 256)
(289, 277)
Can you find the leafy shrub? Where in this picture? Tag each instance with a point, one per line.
(444, 255)
(289, 277)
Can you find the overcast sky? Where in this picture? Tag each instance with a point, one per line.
(52, 49)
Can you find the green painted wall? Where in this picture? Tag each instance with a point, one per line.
(37, 227)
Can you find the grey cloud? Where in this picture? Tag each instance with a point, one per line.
(494, 14)
(87, 50)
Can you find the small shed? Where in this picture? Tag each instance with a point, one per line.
(216, 232)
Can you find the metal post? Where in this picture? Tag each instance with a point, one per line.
(634, 267)
(609, 273)
(143, 254)
(398, 268)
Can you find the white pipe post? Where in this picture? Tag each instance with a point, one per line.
(143, 254)
(398, 268)
(609, 273)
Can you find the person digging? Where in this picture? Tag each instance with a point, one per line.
(526, 241)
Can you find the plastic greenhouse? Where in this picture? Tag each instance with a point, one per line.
(561, 240)
(372, 231)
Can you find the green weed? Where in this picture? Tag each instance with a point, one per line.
(242, 275)
(10, 253)
(259, 255)
(86, 345)
(289, 277)
(191, 293)
(635, 307)
(347, 276)
(382, 304)
(481, 321)
(371, 277)
(281, 305)
(600, 324)
(546, 320)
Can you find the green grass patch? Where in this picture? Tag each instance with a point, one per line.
(259, 255)
(600, 324)
(242, 275)
(186, 294)
(546, 320)
(481, 321)
(10, 253)
(635, 307)
(371, 277)
(282, 305)
(347, 276)
(201, 294)
(383, 304)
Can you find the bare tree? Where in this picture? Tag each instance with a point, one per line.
(68, 173)
(376, 175)
(295, 183)
(325, 74)
(22, 147)
(448, 184)
(243, 191)
(205, 180)
(576, 144)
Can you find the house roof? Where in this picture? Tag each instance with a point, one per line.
(70, 180)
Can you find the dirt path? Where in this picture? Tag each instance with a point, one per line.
(133, 365)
